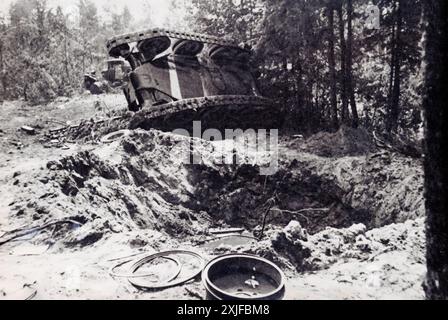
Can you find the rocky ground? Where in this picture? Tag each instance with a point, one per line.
(344, 218)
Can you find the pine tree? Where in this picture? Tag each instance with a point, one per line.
(436, 170)
(332, 66)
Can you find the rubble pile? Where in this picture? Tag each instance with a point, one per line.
(330, 246)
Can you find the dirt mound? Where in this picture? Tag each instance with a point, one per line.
(321, 250)
(145, 182)
(380, 263)
(133, 184)
(347, 141)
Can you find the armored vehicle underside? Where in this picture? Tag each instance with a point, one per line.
(178, 78)
(181, 77)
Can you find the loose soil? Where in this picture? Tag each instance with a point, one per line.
(343, 218)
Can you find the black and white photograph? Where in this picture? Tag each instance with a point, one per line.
(242, 150)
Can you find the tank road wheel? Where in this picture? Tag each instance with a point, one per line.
(221, 54)
(153, 46)
(188, 48)
(120, 51)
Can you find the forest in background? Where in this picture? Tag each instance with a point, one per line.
(329, 62)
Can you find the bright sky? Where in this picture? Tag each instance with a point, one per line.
(138, 8)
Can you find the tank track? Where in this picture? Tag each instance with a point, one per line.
(196, 103)
(213, 112)
(128, 38)
(216, 112)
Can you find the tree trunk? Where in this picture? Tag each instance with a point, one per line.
(343, 78)
(350, 85)
(25, 92)
(2, 80)
(303, 95)
(392, 71)
(67, 72)
(332, 66)
(436, 169)
(394, 102)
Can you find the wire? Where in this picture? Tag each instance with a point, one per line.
(174, 280)
(133, 275)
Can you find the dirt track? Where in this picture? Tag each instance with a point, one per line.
(136, 195)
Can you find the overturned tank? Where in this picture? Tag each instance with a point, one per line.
(179, 77)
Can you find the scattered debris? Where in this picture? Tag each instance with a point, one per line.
(325, 248)
(294, 231)
(114, 136)
(194, 293)
(32, 295)
(21, 232)
(149, 259)
(228, 243)
(26, 291)
(17, 144)
(226, 230)
(29, 130)
(179, 276)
